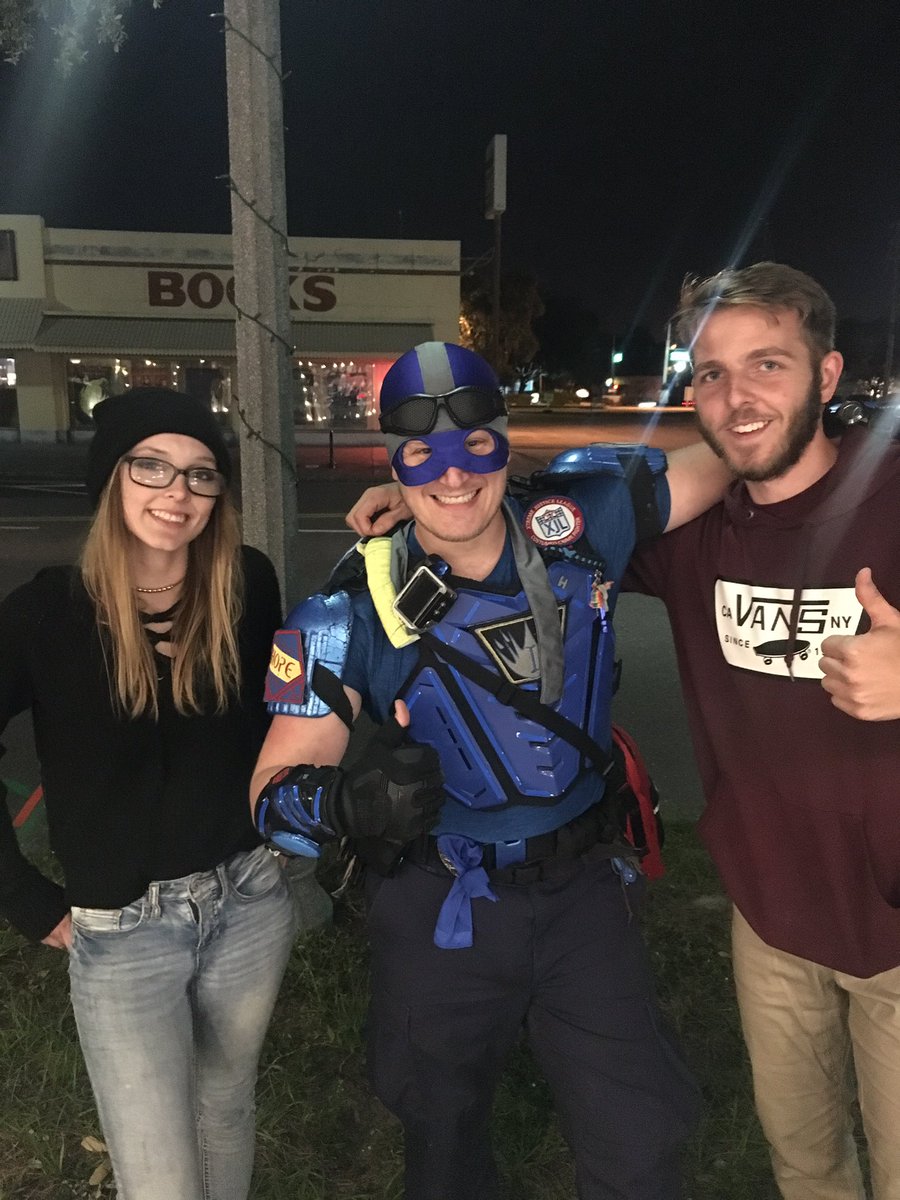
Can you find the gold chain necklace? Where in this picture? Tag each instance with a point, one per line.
(168, 587)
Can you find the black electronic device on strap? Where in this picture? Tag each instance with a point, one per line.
(425, 598)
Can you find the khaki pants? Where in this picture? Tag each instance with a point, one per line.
(808, 1030)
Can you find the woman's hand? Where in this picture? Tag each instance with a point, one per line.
(377, 510)
(60, 938)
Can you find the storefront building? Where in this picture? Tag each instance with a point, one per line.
(88, 313)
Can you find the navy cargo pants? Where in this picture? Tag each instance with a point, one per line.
(562, 956)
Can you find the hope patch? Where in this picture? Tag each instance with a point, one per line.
(554, 521)
(286, 677)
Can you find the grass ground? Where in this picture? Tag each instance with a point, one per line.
(321, 1134)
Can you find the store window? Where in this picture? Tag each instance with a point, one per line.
(92, 380)
(334, 395)
(9, 412)
(148, 374)
(89, 382)
(203, 378)
(209, 383)
(9, 265)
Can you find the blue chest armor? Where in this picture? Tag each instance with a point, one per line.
(492, 755)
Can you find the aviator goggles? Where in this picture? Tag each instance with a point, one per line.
(467, 408)
(156, 473)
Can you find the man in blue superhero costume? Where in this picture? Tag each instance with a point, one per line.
(489, 617)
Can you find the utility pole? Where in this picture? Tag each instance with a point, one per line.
(665, 362)
(893, 313)
(495, 303)
(261, 283)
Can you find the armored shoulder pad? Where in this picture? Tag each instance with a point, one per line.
(352, 574)
(312, 646)
(348, 573)
(601, 458)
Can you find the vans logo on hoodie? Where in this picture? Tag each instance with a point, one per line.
(754, 625)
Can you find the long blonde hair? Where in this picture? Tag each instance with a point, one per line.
(204, 629)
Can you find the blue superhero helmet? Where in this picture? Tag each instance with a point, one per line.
(435, 378)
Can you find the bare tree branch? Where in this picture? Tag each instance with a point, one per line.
(77, 24)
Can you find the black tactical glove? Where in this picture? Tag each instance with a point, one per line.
(394, 792)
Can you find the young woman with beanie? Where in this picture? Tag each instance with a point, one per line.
(143, 670)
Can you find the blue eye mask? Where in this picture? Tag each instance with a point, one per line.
(448, 449)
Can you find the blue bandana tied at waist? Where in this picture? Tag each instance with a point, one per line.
(453, 930)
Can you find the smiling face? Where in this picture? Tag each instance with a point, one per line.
(167, 519)
(759, 393)
(458, 506)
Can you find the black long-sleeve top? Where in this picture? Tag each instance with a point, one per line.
(128, 800)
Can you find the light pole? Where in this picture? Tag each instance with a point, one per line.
(494, 207)
(892, 315)
(615, 358)
(495, 302)
(665, 366)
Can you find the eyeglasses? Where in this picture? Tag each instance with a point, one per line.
(467, 408)
(156, 473)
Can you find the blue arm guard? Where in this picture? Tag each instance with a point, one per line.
(394, 792)
(637, 465)
(289, 810)
(316, 633)
(601, 458)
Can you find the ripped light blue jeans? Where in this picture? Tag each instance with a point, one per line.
(172, 997)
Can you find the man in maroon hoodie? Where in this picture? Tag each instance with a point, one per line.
(784, 603)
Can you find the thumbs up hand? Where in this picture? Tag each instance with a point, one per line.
(862, 672)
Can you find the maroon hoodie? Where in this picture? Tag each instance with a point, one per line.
(803, 802)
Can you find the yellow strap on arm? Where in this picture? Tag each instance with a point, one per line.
(377, 554)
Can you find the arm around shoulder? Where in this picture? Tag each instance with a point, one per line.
(697, 480)
(377, 510)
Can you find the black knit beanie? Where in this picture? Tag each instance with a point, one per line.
(123, 421)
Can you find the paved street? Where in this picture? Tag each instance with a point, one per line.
(42, 522)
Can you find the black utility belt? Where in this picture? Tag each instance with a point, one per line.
(534, 858)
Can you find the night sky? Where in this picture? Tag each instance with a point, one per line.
(647, 138)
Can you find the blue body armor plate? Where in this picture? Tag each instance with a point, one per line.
(491, 755)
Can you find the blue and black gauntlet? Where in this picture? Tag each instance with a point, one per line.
(394, 792)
